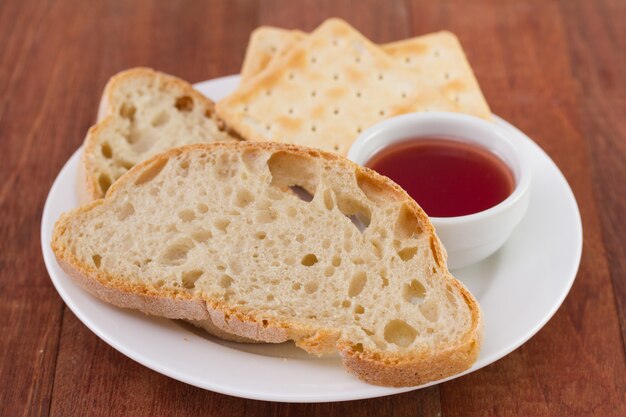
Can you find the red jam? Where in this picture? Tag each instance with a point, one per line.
(446, 177)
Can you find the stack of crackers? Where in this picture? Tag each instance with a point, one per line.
(324, 88)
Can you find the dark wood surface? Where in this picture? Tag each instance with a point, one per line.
(554, 69)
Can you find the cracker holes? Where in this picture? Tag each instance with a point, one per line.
(313, 93)
(382, 112)
(260, 235)
(268, 93)
(407, 60)
(291, 76)
(336, 112)
(399, 333)
(446, 75)
(335, 77)
(313, 60)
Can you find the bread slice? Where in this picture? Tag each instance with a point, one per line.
(143, 112)
(325, 91)
(214, 233)
(438, 58)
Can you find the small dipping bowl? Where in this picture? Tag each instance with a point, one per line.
(473, 237)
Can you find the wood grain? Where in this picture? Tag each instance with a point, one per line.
(554, 69)
(597, 44)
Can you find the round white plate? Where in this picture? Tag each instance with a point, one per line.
(519, 289)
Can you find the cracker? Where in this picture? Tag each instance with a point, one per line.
(439, 60)
(267, 43)
(437, 57)
(326, 90)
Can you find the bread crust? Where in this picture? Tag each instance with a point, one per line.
(380, 368)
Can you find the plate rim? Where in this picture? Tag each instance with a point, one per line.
(331, 396)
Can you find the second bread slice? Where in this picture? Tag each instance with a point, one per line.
(142, 113)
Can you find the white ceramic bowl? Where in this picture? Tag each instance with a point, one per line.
(467, 239)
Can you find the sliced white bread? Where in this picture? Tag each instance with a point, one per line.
(215, 233)
(142, 113)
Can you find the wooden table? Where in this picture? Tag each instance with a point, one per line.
(557, 70)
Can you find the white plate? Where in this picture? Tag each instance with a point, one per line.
(519, 289)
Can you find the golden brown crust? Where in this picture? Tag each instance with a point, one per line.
(399, 369)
